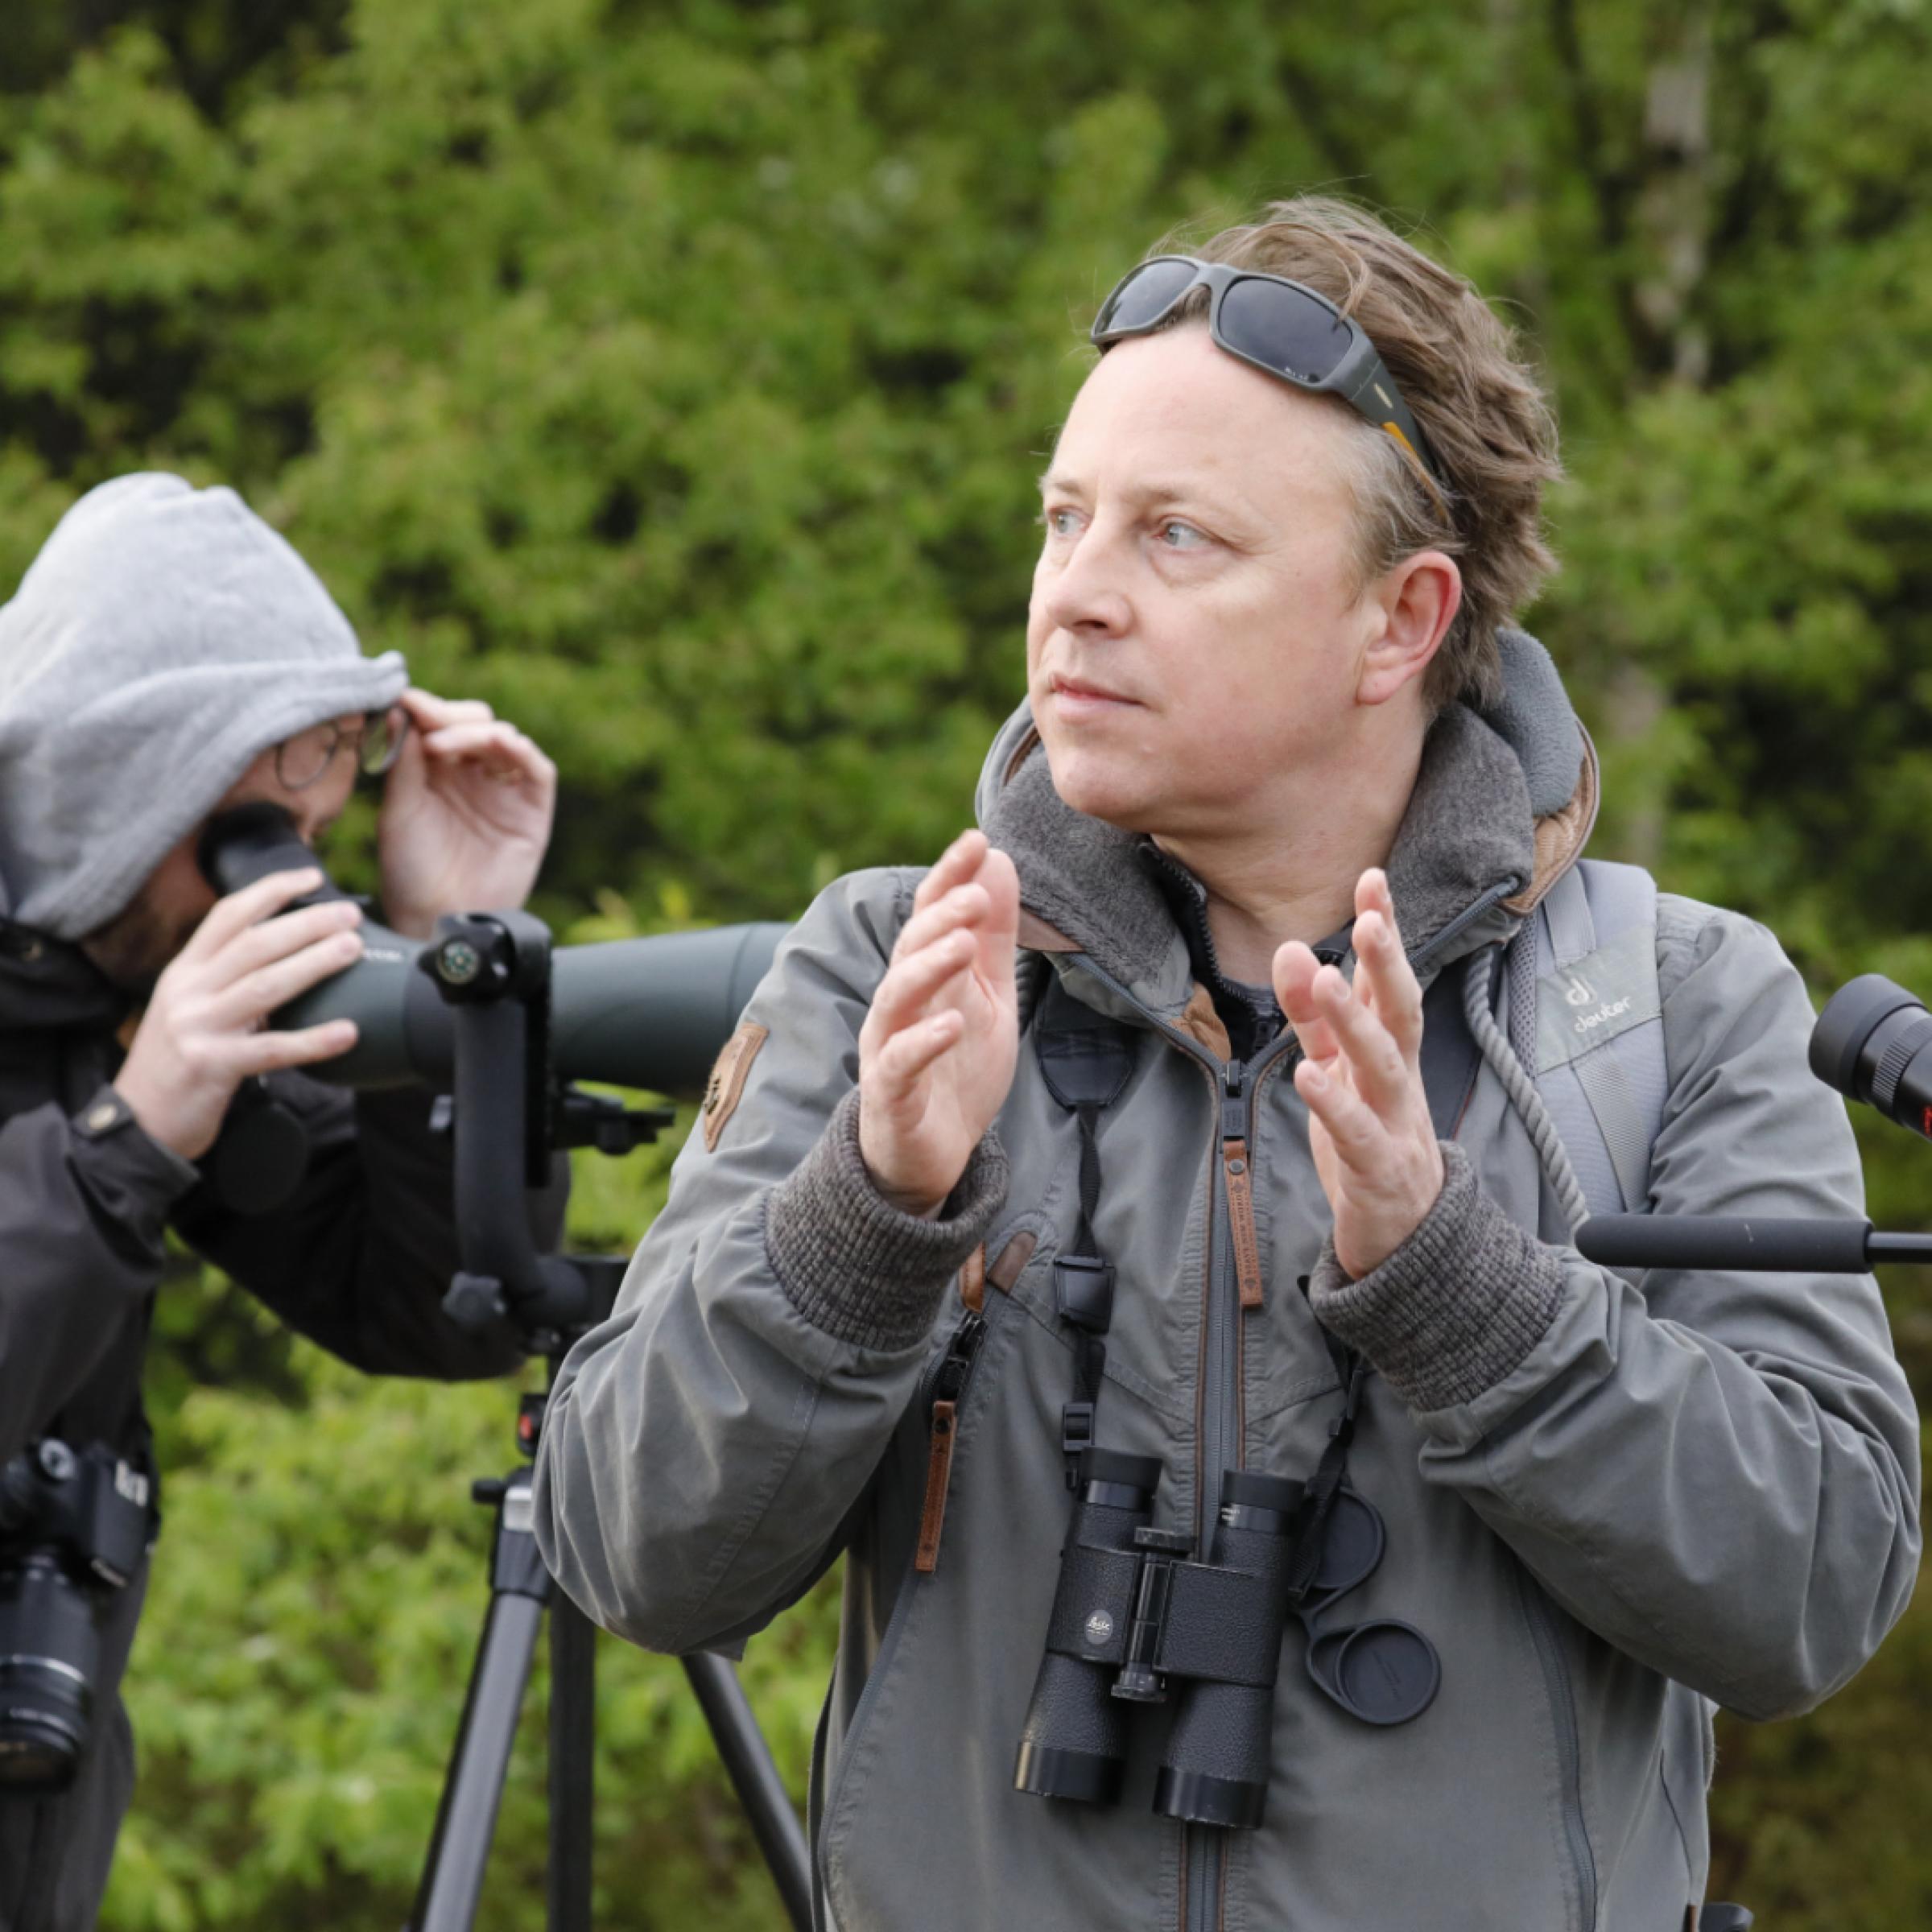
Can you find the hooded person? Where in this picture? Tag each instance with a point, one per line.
(168, 655)
(1195, 1136)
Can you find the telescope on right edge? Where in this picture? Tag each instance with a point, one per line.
(1871, 1044)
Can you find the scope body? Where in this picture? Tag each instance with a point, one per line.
(649, 1013)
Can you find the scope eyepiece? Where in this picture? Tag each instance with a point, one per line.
(1870, 1044)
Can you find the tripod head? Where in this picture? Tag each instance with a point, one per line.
(490, 1005)
(493, 971)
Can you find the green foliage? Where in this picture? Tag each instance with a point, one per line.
(673, 375)
(300, 1673)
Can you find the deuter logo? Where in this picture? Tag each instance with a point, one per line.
(1578, 991)
(1588, 1022)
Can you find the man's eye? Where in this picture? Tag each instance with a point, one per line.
(1062, 523)
(1178, 535)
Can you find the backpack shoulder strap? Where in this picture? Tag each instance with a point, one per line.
(1594, 1026)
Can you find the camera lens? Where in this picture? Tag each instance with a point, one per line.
(49, 1649)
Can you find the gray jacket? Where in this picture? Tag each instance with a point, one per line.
(1612, 1503)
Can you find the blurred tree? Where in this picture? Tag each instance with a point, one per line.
(673, 375)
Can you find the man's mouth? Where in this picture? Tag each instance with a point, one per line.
(1080, 691)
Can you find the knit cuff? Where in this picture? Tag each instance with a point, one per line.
(854, 1265)
(1456, 1307)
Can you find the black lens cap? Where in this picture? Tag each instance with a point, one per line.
(1386, 1673)
(1352, 1546)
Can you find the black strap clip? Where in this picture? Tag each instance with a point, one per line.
(1083, 1292)
(1076, 1437)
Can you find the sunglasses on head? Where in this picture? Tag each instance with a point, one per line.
(1278, 327)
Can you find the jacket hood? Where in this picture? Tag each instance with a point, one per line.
(164, 636)
(1503, 797)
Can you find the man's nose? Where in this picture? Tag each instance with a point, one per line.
(1089, 595)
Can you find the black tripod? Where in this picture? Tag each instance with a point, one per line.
(494, 970)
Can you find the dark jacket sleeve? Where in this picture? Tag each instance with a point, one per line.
(83, 1202)
(360, 1257)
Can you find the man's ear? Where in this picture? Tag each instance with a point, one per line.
(1412, 606)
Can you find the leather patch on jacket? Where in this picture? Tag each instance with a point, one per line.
(972, 1280)
(726, 1085)
(1200, 1018)
(1011, 1261)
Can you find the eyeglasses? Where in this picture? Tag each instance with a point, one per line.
(1276, 326)
(375, 738)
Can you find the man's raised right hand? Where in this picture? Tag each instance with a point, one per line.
(937, 1051)
(201, 1035)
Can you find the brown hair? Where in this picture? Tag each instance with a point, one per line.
(1478, 402)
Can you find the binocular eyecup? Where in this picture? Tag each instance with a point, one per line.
(1133, 1616)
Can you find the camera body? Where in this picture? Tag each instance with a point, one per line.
(74, 1527)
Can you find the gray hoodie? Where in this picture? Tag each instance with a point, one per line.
(164, 636)
(1612, 1503)
(162, 639)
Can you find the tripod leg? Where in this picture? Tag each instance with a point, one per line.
(573, 1718)
(755, 1778)
(452, 1876)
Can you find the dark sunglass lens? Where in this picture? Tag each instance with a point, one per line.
(1282, 329)
(1144, 295)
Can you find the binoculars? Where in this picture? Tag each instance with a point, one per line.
(1134, 1615)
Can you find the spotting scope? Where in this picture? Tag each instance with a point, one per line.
(1873, 1043)
(649, 1013)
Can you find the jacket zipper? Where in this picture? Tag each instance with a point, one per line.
(1203, 1847)
(946, 1380)
(1234, 1277)
(1549, 1647)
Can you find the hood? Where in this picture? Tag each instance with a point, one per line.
(164, 636)
(1507, 795)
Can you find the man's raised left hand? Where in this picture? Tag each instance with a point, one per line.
(466, 815)
(1374, 1144)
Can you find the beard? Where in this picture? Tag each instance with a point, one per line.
(134, 948)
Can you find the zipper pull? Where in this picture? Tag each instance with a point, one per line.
(1240, 1183)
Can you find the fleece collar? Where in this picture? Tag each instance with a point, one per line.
(1503, 803)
